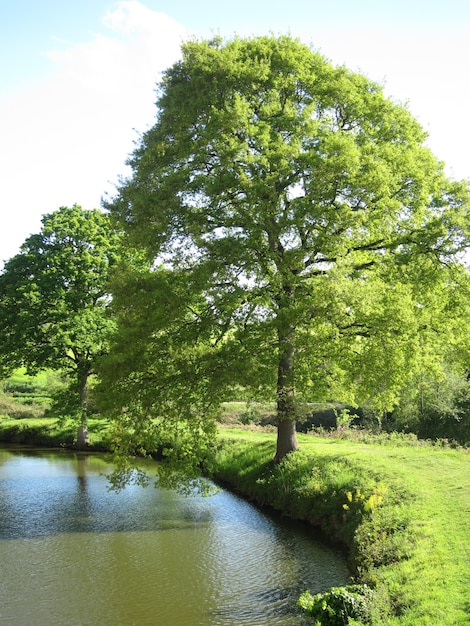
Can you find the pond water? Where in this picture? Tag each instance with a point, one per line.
(74, 553)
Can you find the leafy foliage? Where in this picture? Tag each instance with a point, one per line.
(155, 385)
(435, 407)
(335, 607)
(54, 298)
(297, 225)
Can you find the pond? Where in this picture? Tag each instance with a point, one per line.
(75, 553)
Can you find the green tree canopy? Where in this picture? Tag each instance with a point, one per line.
(54, 298)
(296, 221)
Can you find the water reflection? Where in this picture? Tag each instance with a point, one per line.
(75, 553)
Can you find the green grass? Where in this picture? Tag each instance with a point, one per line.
(48, 431)
(24, 396)
(413, 545)
(21, 384)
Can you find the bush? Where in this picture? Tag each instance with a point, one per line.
(335, 607)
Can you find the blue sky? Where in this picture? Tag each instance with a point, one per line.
(77, 81)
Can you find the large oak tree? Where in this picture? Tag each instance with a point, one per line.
(295, 218)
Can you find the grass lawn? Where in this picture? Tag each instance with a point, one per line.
(439, 571)
(432, 584)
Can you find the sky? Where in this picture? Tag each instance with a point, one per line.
(78, 77)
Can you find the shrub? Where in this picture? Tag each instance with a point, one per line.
(335, 607)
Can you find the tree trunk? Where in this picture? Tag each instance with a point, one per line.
(82, 433)
(286, 439)
(286, 413)
(82, 437)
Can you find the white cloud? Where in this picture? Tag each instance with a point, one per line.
(67, 141)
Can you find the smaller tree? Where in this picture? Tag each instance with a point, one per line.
(54, 301)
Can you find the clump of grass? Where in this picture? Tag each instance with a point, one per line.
(31, 431)
(393, 438)
(25, 397)
(11, 407)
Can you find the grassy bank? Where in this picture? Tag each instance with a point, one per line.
(48, 431)
(400, 508)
